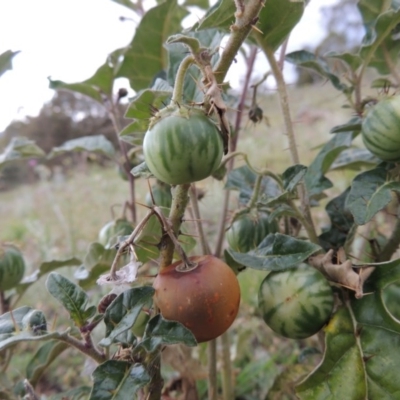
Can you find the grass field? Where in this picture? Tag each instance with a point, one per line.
(52, 220)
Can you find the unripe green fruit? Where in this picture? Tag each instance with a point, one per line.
(12, 266)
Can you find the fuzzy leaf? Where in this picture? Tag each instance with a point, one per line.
(292, 176)
(118, 380)
(306, 59)
(276, 20)
(315, 180)
(121, 314)
(146, 100)
(159, 332)
(369, 194)
(146, 56)
(95, 144)
(41, 360)
(220, 15)
(71, 296)
(341, 223)
(362, 355)
(98, 87)
(20, 148)
(276, 252)
(192, 88)
(243, 180)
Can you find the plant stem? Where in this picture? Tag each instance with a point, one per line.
(157, 383)
(227, 383)
(212, 369)
(284, 101)
(231, 155)
(4, 306)
(177, 94)
(205, 248)
(114, 116)
(90, 351)
(180, 200)
(246, 15)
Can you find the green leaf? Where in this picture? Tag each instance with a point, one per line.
(292, 176)
(141, 170)
(6, 60)
(143, 104)
(220, 15)
(192, 88)
(160, 332)
(118, 380)
(381, 48)
(98, 87)
(23, 324)
(146, 56)
(98, 255)
(315, 180)
(341, 223)
(71, 296)
(352, 60)
(127, 3)
(44, 269)
(276, 252)
(243, 179)
(306, 59)
(354, 159)
(354, 125)
(383, 83)
(41, 360)
(369, 194)
(98, 144)
(20, 148)
(361, 356)
(121, 314)
(276, 20)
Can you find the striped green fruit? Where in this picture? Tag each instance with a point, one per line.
(296, 303)
(182, 146)
(12, 266)
(248, 231)
(381, 129)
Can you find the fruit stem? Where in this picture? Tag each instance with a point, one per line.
(177, 95)
(284, 101)
(180, 200)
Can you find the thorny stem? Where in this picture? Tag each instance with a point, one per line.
(180, 200)
(196, 211)
(126, 243)
(114, 116)
(212, 369)
(246, 15)
(227, 384)
(284, 101)
(232, 154)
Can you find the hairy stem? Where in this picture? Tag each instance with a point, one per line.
(83, 347)
(227, 382)
(177, 94)
(180, 200)
(246, 15)
(212, 370)
(284, 102)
